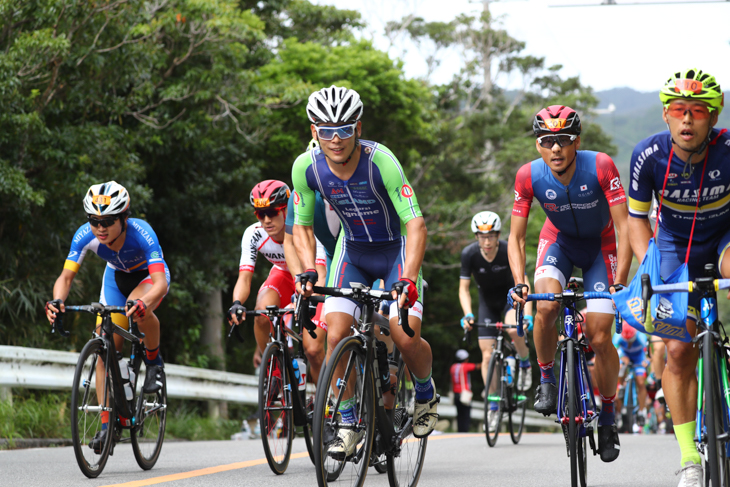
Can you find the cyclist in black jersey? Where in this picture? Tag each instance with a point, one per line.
(486, 260)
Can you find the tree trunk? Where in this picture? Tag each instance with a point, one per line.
(212, 338)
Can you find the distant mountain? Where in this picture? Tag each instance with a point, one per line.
(635, 116)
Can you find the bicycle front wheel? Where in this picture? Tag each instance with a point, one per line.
(92, 398)
(715, 416)
(149, 433)
(308, 403)
(572, 408)
(342, 449)
(518, 408)
(406, 463)
(275, 408)
(493, 418)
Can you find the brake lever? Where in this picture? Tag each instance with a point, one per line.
(133, 324)
(58, 326)
(403, 312)
(236, 328)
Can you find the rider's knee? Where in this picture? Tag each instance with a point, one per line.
(547, 312)
(681, 355)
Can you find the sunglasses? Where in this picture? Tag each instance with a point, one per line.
(488, 236)
(270, 212)
(679, 110)
(343, 131)
(105, 222)
(548, 141)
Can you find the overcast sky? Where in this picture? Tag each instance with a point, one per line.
(608, 46)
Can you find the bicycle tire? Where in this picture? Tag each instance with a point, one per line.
(275, 413)
(86, 410)
(349, 470)
(405, 465)
(629, 417)
(149, 434)
(583, 461)
(715, 458)
(308, 403)
(495, 369)
(572, 401)
(518, 408)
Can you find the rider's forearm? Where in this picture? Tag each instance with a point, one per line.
(639, 235)
(416, 235)
(465, 300)
(157, 291)
(62, 286)
(624, 251)
(290, 254)
(243, 286)
(517, 255)
(305, 245)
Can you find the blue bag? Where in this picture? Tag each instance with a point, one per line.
(668, 311)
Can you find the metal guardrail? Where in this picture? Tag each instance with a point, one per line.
(34, 368)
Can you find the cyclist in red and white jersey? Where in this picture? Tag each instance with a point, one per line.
(269, 199)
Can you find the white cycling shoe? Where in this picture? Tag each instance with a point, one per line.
(345, 444)
(691, 476)
(425, 415)
(525, 382)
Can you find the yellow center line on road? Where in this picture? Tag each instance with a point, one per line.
(250, 463)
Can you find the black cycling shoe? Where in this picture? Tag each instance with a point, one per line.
(608, 444)
(97, 442)
(153, 379)
(546, 398)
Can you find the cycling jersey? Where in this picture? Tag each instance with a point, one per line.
(493, 280)
(255, 240)
(141, 249)
(326, 223)
(373, 205)
(633, 351)
(648, 171)
(579, 210)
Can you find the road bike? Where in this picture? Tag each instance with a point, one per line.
(358, 367)
(286, 392)
(628, 398)
(505, 374)
(577, 408)
(713, 392)
(106, 384)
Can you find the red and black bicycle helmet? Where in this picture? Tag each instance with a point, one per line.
(270, 194)
(556, 119)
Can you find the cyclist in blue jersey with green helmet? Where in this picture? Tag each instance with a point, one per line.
(690, 158)
(366, 186)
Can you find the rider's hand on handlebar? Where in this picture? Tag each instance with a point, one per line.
(409, 296)
(467, 321)
(139, 310)
(517, 295)
(614, 288)
(54, 306)
(309, 277)
(236, 313)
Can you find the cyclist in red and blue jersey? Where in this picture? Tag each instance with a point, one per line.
(631, 348)
(366, 186)
(136, 271)
(692, 156)
(582, 196)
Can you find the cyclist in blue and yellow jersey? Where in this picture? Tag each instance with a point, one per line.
(631, 348)
(692, 157)
(581, 194)
(366, 186)
(136, 271)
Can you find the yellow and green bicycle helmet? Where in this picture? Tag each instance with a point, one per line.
(693, 84)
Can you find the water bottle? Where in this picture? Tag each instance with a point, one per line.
(301, 366)
(124, 369)
(510, 364)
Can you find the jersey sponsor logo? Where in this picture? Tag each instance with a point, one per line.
(517, 196)
(353, 214)
(551, 206)
(690, 195)
(714, 174)
(145, 234)
(613, 260)
(541, 247)
(617, 198)
(296, 198)
(482, 270)
(155, 254)
(615, 184)
(672, 175)
(584, 187)
(551, 194)
(599, 287)
(84, 231)
(406, 191)
(337, 191)
(551, 259)
(368, 150)
(586, 194)
(71, 254)
(271, 256)
(498, 268)
(640, 163)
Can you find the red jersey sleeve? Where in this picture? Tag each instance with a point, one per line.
(609, 179)
(523, 191)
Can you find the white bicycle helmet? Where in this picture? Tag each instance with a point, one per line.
(485, 222)
(334, 105)
(106, 199)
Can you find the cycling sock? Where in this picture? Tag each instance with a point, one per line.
(347, 410)
(608, 413)
(685, 437)
(493, 405)
(104, 420)
(524, 362)
(546, 372)
(153, 357)
(424, 388)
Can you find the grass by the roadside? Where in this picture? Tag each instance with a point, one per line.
(43, 414)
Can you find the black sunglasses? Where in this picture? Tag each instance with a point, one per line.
(548, 141)
(105, 222)
(263, 213)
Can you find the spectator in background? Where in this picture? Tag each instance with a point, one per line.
(461, 386)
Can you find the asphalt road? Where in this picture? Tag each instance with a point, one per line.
(451, 459)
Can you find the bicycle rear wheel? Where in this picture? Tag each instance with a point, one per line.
(517, 409)
(148, 435)
(347, 376)
(494, 372)
(87, 409)
(275, 408)
(406, 463)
